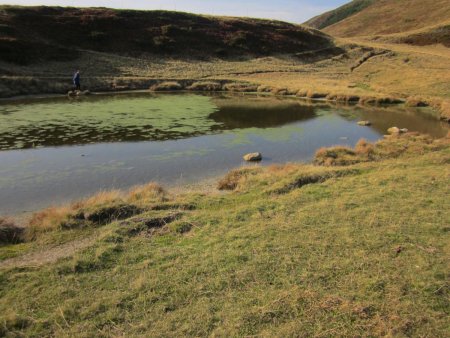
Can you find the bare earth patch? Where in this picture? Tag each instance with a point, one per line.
(48, 255)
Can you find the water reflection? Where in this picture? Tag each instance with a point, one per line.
(259, 113)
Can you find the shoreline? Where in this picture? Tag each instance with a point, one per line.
(208, 181)
(245, 88)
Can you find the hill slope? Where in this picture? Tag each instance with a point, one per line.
(329, 18)
(30, 34)
(382, 17)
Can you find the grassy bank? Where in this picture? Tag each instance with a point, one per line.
(355, 247)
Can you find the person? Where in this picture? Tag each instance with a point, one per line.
(76, 80)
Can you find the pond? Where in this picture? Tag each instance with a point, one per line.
(57, 150)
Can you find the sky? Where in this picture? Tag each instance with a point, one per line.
(296, 11)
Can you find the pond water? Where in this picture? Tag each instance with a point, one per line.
(57, 150)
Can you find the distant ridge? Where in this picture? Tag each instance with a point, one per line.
(329, 18)
(383, 17)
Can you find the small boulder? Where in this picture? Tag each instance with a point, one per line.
(393, 130)
(404, 130)
(253, 157)
(364, 123)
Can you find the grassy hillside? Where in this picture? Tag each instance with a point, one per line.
(329, 18)
(387, 17)
(359, 249)
(33, 34)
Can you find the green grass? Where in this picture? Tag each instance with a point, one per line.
(363, 253)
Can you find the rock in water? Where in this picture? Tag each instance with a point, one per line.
(393, 130)
(253, 157)
(364, 123)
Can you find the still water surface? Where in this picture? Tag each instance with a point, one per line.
(57, 150)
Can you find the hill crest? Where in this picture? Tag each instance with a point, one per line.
(28, 34)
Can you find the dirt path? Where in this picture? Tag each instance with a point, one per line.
(48, 255)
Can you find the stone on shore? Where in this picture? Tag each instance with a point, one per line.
(364, 123)
(393, 130)
(253, 157)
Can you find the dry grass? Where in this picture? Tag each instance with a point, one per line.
(10, 233)
(99, 209)
(49, 219)
(409, 144)
(208, 86)
(392, 17)
(445, 110)
(146, 194)
(166, 86)
(240, 87)
(233, 178)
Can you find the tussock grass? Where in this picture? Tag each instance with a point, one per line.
(10, 233)
(232, 179)
(240, 87)
(146, 194)
(409, 144)
(208, 86)
(99, 209)
(166, 86)
(47, 220)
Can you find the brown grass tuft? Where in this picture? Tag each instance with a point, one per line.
(335, 156)
(316, 95)
(151, 192)
(9, 232)
(240, 87)
(206, 86)
(48, 220)
(233, 178)
(391, 147)
(166, 86)
(445, 110)
(100, 199)
(415, 102)
(364, 148)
